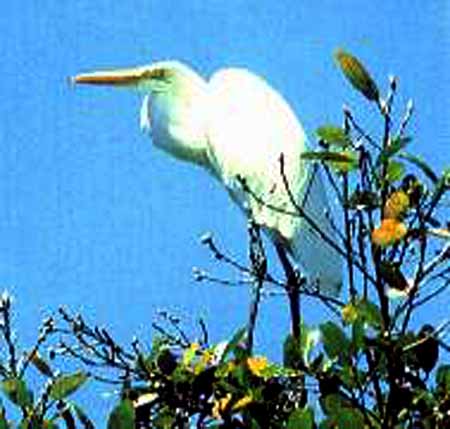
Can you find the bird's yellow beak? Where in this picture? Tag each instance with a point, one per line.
(120, 77)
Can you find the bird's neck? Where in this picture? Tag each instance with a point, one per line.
(177, 121)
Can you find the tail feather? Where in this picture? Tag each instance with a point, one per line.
(320, 261)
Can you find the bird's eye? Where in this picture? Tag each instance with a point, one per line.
(159, 74)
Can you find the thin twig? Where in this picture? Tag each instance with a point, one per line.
(333, 183)
(348, 236)
(361, 244)
(361, 132)
(443, 256)
(5, 327)
(208, 240)
(407, 116)
(431, 295)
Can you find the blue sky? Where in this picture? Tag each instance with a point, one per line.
(93, 217)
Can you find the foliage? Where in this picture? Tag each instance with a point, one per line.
(364, 368)
(50, 406)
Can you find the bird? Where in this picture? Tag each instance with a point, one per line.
(236, 127)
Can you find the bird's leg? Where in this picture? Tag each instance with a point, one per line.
(253, 314)
(292, 289)
(259, 268)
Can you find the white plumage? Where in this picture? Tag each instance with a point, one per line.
(234, 126)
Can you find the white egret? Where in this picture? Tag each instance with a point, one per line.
(237, 126)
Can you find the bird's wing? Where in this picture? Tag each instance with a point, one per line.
(251, 125)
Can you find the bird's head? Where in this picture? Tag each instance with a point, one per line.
(172, 108)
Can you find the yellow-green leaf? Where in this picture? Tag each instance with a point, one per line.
(443, 378)
(396, 205)
(420, 163)
(349, 418)
(190, 353)
(16, 390)
(370, 313)
(122, 416)
(358, 76)
(349, 313)
(301, 418)
(394, 147)
(335, 342)
(65, 385)
(257, 365)
(395, 171)
(350, 163)
(342, 161)
(446, 177)
(333, 135)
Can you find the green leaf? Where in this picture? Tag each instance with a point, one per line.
(301, 419)
(297, 353)
(361, 314)
(343, 161)
(254, 424)
(83, 418)
(65, 385)
(443, 378)
(358, 332)
(335, 342)
(328, 156)
(341, 413)
(446, 177)
(395, 171)
(421, 164)
(17, 392)
(189, 355)
(351, 377)
(333, 404)
(3, 421)
(333, 135)
(397, 144)
(349, 418)
(122, 416)
(164, 419)
(358, 76)
(370, 313)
